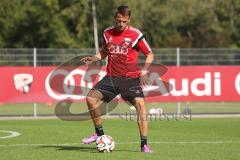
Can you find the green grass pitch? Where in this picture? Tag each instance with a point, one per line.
(198, 139)
(196, 107)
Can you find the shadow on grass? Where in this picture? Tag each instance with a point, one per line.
(89, 149)
(71, 148)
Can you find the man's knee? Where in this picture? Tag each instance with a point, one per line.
(140, 105)
(141, 109)
(93, 97)
(139, 102)
(91, 100)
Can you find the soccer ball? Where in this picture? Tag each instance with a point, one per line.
(159, 111)
(105, 143)
(155, 111)
(152, 111)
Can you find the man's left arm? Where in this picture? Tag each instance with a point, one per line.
(148, 62)
(146, 50)
(144, 71)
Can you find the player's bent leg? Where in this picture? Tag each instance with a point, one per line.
(94, 101)
(142, 120)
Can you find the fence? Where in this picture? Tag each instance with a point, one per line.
(165, 56)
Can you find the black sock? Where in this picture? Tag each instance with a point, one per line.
(99, 130)
(143, 141)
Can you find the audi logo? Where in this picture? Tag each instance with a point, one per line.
(70, 82)
(117, 49)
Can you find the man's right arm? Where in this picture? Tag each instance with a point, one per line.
(97, 57)
(101, 55)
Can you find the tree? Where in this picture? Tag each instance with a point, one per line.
(166, 23)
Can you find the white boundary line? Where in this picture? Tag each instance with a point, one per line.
(36, 145)
(125, 143)
(115, 117)
(12, 134)
(186, 142)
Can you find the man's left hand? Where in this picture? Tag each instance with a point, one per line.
(144, 78)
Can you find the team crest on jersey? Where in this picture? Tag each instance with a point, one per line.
(110, 39)
(127, 41)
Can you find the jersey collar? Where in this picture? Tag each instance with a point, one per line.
(125, 30)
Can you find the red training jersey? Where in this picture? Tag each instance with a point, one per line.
(122, 50)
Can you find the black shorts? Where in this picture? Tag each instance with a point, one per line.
(128, 88)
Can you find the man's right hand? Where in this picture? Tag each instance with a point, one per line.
(90, 59)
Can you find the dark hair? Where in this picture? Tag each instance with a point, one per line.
(124, 10)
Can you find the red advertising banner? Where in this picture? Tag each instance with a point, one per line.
(186, 83)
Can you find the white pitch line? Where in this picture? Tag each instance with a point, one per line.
(43, 144)
(186, 142)
(11, 134)
(125, 143)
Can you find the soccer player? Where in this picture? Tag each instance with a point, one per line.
(121, 45)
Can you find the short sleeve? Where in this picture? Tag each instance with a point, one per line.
(104, 46)
(143, 46)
